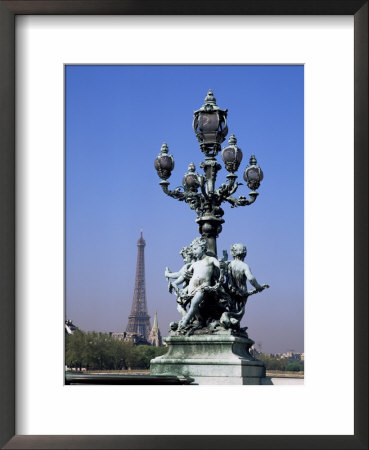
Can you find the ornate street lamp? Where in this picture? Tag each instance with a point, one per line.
(210, 125)
(208, 342)
(199, 192)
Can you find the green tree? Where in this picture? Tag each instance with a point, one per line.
(295, 366)
(273, 363)
(100, 351)
(74, 349)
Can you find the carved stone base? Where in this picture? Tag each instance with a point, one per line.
(221, 358)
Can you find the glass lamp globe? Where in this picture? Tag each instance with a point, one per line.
(253, 174)
(232, 155)
(164, 163)
(210, 124)
(191, 180)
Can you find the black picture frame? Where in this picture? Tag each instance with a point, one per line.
(8, 12)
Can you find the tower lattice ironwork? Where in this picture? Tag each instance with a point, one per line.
(139, 319)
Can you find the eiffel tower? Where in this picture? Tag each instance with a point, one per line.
(139, 319)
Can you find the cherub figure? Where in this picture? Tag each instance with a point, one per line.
(204, 278)
(181, 277)
(238, 274)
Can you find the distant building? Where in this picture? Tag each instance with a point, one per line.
(139, 330)
(135, 338)
(286, 355)
(139, 319)
(292, 355)
(70, 328)
(117, 335)
(155, 338)
(155, 335)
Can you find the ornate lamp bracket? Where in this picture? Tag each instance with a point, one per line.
(198, 191)
(174, 194)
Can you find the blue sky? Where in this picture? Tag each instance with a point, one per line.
(117, 118)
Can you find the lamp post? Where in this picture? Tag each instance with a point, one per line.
(208, 342)
(199, 191)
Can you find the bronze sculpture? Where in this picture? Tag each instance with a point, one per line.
(208, 343)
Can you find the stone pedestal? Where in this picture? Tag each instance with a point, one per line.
(210, 359)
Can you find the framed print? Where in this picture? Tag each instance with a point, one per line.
(328, 38)
(138, 293)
